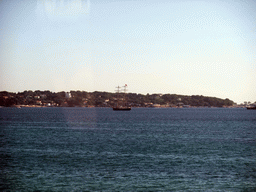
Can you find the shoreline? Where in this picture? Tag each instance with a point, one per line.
(160, 107)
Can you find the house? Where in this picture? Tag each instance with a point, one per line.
(68, 95)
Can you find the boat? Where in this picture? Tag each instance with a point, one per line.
(121, 108)
(253, 107)
(121, 101)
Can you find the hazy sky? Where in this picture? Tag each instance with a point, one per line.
(162, 46)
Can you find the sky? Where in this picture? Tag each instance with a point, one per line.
(182, 47)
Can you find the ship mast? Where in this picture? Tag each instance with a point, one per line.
(118, 95)
(124, 98)
(118, 89)
(121, 93)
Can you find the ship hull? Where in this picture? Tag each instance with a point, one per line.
(251, 108)
(122, 109)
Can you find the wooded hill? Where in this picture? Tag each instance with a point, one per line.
(106, 99)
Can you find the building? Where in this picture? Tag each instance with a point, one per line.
(68, 95)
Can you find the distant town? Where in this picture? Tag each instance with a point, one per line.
(106, 99)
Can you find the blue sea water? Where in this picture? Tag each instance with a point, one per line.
(145, 149)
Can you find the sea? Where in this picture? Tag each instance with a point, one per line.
(145, 149)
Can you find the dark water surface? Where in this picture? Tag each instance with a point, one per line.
(98, 149)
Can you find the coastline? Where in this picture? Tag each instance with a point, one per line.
(159, 107)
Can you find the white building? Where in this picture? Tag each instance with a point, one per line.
(67, 95)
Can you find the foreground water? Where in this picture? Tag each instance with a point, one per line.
(97, 149)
